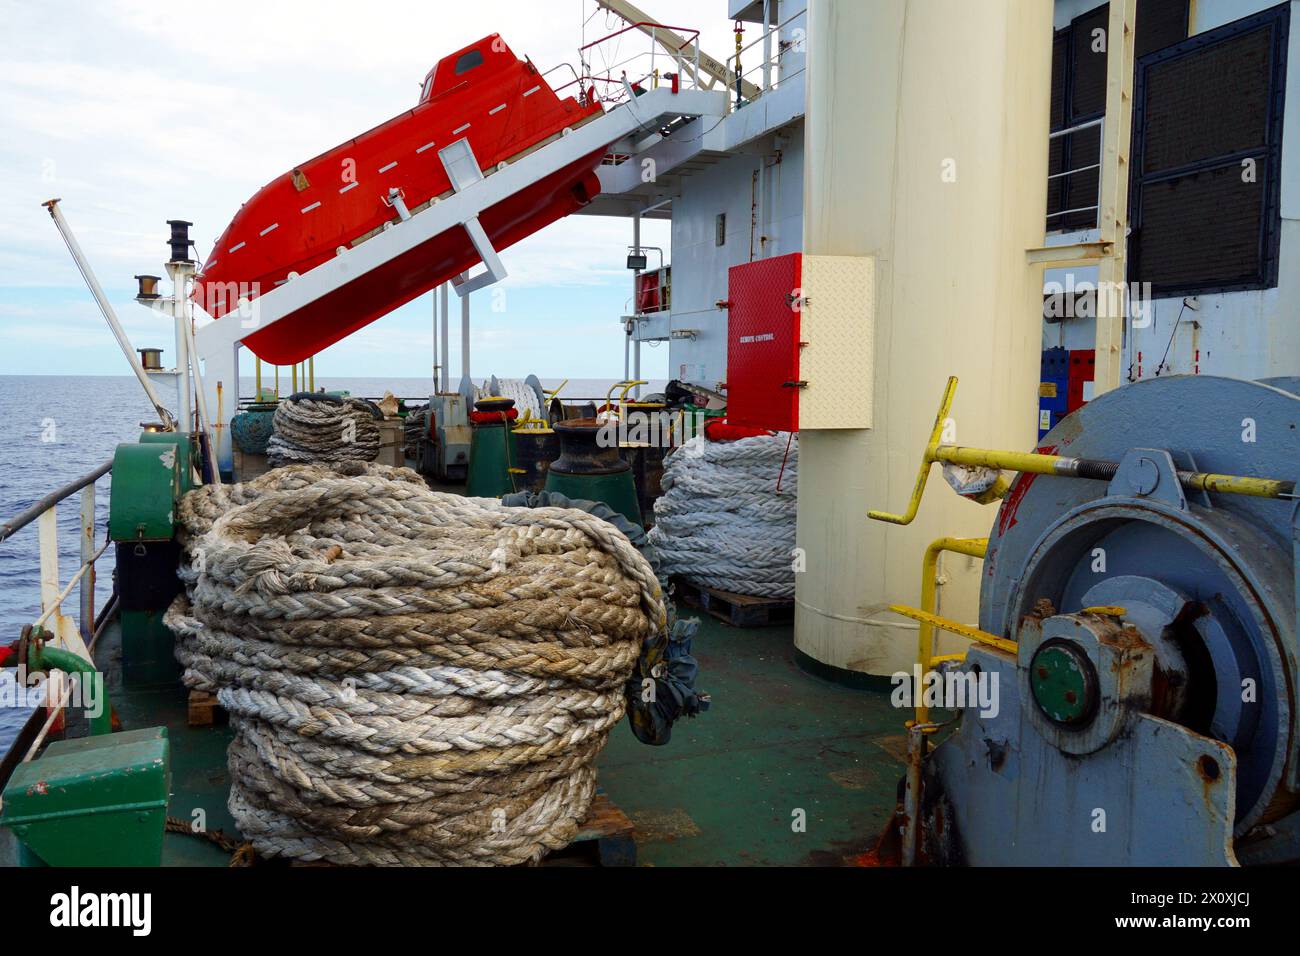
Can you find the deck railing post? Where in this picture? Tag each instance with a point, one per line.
(53, 627)
(47, 533)
(767, 46)
(64, 630)
(86, 619)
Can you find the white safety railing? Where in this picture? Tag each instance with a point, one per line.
(75, 634)
(1054, 222)
(659, 53)
(766, 74)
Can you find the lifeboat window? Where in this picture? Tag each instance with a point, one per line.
(467, 61)
(428, 87)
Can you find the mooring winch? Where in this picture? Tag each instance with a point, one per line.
(1143, 565)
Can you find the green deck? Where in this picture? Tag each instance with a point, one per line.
(776, 739)
(723, 792)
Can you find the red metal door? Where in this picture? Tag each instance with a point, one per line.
(763, 343)
(1083, 366)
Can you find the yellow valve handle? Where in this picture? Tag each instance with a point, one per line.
(945, 406)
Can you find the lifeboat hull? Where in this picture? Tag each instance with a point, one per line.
(483, 94)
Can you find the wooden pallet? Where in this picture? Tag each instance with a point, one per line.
(249, 465)
(606, 838)
(203, 709)
(738, 610)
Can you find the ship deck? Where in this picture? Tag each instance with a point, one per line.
(724, 791)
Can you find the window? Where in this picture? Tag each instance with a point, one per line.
(467, 61)
(1206, 154)
(1079, 103)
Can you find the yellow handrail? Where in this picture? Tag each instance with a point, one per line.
(1060, 465)
(925, 656)
(622, 398)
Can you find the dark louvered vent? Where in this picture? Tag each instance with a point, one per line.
(1210, 103)
(1205, 223)
(1088, 96)
(1206, 151)
(1056, 145)
(1082, 188)
(1160, 23)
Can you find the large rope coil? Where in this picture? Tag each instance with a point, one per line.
(413, 677)
(526, 397)
(661, 689)
(314, 427)
(726, 518)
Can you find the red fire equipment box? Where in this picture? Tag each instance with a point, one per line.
(763, 327)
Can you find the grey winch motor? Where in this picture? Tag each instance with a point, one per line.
(1149, 715)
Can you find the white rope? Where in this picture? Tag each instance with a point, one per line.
(525, 396)
(322, 429)
(722, 522)
(413, 677)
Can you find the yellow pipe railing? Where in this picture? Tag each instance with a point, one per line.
(973, 547)
(1060, 465)
(626, 387)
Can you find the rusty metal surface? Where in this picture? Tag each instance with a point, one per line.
(1160, 796)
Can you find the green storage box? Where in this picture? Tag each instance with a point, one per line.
(95, 801)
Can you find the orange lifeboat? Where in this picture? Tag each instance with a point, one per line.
(482, 93)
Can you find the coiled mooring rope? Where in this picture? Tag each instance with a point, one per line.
(413, 677)
(726, 518)
(314, 427)
(525, 397)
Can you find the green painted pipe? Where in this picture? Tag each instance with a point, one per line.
(42, 658)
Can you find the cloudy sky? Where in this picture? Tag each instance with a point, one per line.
(133, 115)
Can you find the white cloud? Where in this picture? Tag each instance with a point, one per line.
(133, 117)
